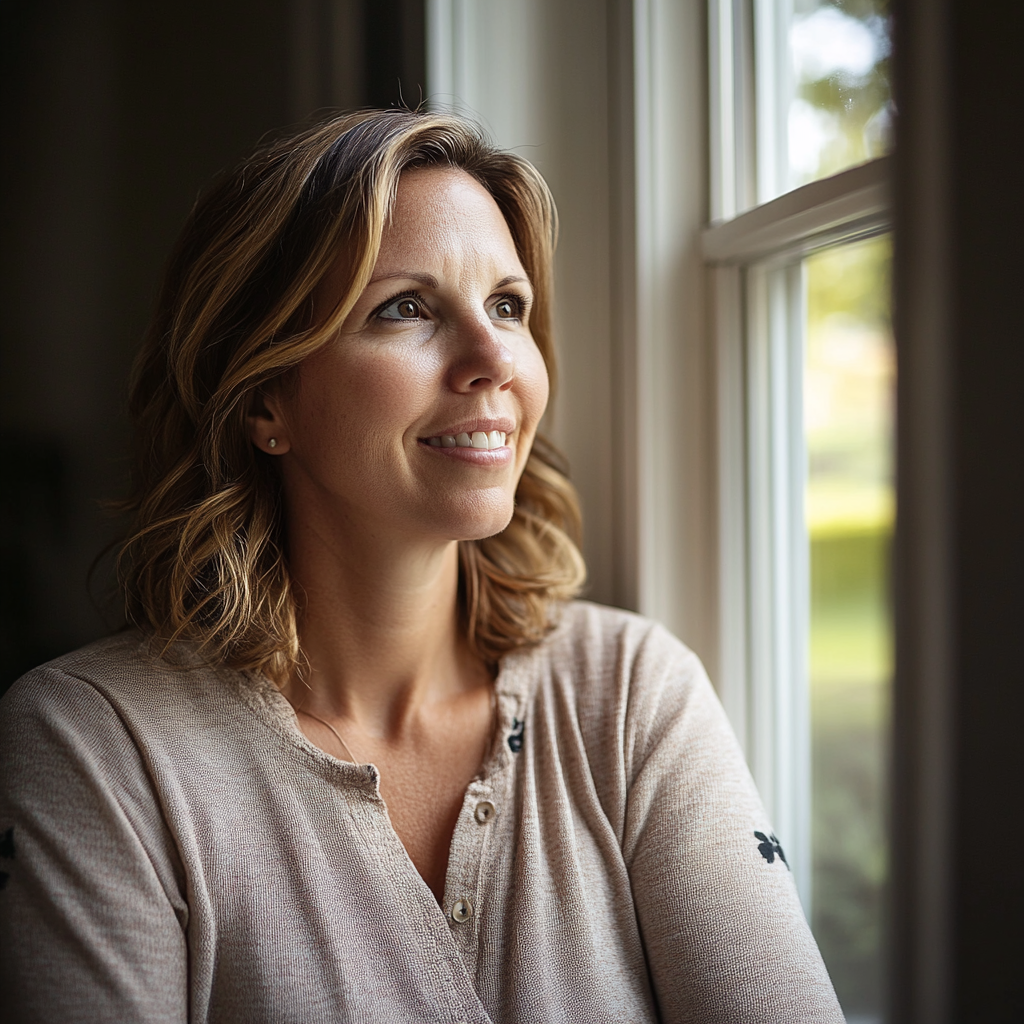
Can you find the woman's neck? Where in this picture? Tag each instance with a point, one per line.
(379, 630)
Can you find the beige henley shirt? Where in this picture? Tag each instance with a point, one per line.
(173, 849)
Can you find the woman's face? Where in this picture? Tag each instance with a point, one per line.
(419, 416)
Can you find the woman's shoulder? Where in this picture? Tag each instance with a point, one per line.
(595, 642)
(124, 664)
(613, 665)
(117, 652)
(623, 693)
(122, 679)
(126, 709)
(84, 672)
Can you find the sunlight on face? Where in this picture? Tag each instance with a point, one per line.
(418, 418)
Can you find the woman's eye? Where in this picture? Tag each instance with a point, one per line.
(401, 309)
(506, 309)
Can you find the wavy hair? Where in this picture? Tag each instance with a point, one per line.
(204, 559)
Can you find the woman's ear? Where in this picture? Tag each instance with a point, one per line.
(266, 425)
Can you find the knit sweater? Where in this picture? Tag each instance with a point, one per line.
(174, 849)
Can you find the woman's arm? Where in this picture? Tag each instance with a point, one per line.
(725, 935)
(91, 912)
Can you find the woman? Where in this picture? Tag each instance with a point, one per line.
(362, 759)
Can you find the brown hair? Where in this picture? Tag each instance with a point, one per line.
(204, 560)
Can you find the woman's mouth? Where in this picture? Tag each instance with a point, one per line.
(480, 439)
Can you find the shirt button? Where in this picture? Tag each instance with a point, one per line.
(485, 810)
(462, 911)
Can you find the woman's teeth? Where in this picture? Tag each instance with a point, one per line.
(478, 439)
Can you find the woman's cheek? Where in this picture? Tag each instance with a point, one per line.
(535, 387)
(390, 387)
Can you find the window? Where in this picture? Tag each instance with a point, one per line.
(800, 260)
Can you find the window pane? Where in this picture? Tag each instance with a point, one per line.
(848, 417)
(840, 109)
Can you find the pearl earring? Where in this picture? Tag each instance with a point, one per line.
(272, 443)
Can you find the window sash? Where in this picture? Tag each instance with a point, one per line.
(753, 255)
(755, 265)
(849, 205)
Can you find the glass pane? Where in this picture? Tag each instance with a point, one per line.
(848, 410)
(840, 110)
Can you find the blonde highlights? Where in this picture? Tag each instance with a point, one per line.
(205, 559)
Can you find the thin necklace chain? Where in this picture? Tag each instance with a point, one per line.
(348, 750)
(316, 718)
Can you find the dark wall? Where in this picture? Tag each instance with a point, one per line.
(116, 114)
(988, 370)
(958, 891)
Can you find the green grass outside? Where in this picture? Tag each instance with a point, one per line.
(851, 659)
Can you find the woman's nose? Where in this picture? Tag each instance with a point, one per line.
(482, 360)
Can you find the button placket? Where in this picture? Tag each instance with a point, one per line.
(484, 803)
(462, 909)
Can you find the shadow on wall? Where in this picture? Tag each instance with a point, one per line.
(116, 114)
(33, 523)
(39, 536)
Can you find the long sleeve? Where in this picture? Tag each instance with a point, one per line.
(91, 912)
(725, 935)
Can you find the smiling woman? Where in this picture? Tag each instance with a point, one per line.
(452, 358)
(361, 757)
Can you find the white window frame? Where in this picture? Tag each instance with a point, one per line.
(754, 257)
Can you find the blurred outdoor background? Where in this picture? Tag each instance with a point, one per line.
(849, 394)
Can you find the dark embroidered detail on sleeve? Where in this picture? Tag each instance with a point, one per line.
(770, 848)
(515, 737)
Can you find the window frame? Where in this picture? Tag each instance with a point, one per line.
(753, 253)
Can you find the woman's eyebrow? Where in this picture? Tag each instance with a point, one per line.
(512, 280)
(431, 282)
(425, 279)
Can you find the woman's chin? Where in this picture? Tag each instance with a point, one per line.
(479, 523)
(482, 531)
